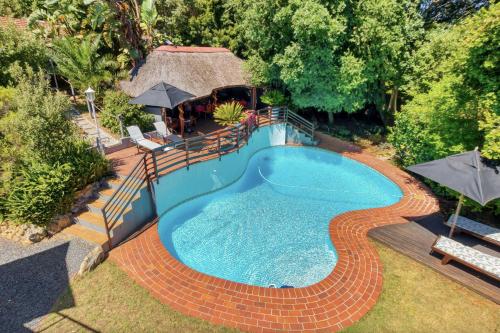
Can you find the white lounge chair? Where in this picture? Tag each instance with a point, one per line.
(477, 260)
(165, 133)
(138, 138)
(476, 229)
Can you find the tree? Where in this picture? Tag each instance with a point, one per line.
(383, 34)
(457, 107)
(336, 56)
(81, 63)
(203, 22)
(149, 19)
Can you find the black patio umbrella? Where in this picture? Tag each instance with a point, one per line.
(162, 95)
(467, 173)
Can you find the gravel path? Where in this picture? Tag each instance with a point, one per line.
(33, 276)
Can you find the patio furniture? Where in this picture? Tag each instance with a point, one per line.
(476, 229)
(479, 261)
(469, 174)
(141, 142)
(165, 133)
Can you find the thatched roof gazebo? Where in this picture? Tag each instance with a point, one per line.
(197, 70)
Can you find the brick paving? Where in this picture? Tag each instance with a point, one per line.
(342, 298)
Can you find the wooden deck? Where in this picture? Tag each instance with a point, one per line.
(124, 160)
(414, 239)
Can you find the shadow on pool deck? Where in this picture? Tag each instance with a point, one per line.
(30, 286)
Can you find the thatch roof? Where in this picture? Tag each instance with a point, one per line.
(197, 70)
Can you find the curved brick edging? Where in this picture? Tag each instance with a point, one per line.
(338, 301)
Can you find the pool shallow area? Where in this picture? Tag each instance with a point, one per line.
(270, 226)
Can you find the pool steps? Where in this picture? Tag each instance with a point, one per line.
(89, 224)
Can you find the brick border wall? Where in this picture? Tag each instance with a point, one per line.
(338, 301)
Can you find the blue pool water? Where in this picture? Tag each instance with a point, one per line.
(271, 225)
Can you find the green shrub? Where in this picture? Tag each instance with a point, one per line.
(6, 96)
(228, 114)
(44, 159)
(116, 104)
(39, 192)
(274, 98)
(88, 165)
(19, 46)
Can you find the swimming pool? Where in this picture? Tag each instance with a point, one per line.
(270, 226)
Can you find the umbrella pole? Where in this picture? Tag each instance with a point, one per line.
(455, 217)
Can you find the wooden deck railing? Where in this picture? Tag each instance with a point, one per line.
(187, 152)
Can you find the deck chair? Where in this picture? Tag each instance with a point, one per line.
(477, 260)
(476, 229)
(165, 133)
(138, 138)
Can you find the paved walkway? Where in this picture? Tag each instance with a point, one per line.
(88, 128)
(338, 301)
(33, 276)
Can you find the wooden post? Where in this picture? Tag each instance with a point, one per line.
(218, 145)
(181, 119)
(455, 217)
(186, 146)
(270, 113)
(155, 166)
(254, 98)
(238, 138)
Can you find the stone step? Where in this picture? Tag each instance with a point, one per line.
(114, 182)
(88, 235)
(106, 193)
(92, 221)
(96, 205)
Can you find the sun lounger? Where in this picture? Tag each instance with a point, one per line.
(479, 261)
(476, 229)
(165, 133)
(138, 138)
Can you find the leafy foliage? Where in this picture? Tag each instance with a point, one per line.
(203, 22)
(44, 160)
(228, 114)
(6, 97)
(39, 192)
(19, 47)
(457, 107)
(115, 105)
(81, 63)
(332, 57)
(273, 97)
(17, 8)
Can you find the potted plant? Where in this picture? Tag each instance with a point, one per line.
(229, 114)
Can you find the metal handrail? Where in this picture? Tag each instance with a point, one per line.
(190, 151)
(122, 196)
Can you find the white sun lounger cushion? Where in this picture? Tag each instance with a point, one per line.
(476, 227)
(486, 262)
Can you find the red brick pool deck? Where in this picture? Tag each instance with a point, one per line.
(334, 303)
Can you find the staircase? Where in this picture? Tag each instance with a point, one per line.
(90, 224)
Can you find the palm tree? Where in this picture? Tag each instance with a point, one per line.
(80, 62)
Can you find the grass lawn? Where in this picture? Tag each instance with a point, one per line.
(414, 299)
